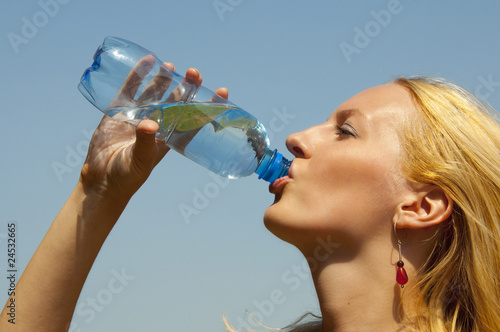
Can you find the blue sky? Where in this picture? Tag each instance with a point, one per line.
(290, 63)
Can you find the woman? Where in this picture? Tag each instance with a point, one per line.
(402, 184)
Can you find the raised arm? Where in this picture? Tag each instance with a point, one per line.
(57, 271)
(120, 158)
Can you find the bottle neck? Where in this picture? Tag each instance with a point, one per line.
(273, 166)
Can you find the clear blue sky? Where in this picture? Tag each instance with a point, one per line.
(290, 63)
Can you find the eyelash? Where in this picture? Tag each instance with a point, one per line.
(343, 133)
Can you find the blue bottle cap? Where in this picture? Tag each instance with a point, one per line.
(273, 166)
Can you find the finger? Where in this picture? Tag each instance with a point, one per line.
(158, 86)
(193, 76)
(222, 92)
(136, 75)
(147, 127)
(145, 150)
(187, 87)
(170, 65)
(220, 96)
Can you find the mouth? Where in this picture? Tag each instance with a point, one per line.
(279, 184)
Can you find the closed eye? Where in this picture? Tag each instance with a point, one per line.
(344, 132)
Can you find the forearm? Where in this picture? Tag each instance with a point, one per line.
(57, 271)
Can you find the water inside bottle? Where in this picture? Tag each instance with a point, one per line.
(223, 138)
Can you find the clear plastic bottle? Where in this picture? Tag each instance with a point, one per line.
(193, 121)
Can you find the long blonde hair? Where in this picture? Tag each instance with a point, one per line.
(454, 143)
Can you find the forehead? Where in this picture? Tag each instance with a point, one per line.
(390, 100)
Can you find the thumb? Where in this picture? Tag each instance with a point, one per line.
(145, 150)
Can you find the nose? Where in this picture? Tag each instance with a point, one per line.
(299, 144)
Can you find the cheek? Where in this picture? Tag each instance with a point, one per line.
(355, 185)
(352, 195)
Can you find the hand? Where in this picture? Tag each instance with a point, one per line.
(121, 156)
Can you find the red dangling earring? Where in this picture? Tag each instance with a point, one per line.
(401, 276)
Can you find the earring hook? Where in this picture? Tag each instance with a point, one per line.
(401, 276)
(397, 238)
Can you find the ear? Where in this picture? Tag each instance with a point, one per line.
(426, 207)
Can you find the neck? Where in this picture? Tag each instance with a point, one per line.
(358, 292)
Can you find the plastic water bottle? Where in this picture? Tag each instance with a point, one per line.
(193, 121)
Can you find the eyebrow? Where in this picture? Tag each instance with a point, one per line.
(343, 114)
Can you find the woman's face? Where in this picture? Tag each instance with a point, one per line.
(345, 180)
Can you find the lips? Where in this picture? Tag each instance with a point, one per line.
(278, 184)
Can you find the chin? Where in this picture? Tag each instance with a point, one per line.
(283, 225)
(273, 220)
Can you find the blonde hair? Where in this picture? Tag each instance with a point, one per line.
(308, 322)
(454, 143)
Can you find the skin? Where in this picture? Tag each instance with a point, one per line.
(347, 164)
(343, 189)
(119, 160)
